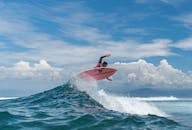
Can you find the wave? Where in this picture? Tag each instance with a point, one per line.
(80, 106)
(121, 104)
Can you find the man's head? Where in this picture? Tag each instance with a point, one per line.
(104, 64)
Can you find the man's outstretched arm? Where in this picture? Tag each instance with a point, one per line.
(101, 58)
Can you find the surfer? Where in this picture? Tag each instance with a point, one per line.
(104, 63)
(100, 71)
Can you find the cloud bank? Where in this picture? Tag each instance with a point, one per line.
(133, 74)
(144, 74)
(25, 70)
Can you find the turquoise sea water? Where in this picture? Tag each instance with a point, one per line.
(68, 107)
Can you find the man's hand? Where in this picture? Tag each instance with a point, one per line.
(107, 55)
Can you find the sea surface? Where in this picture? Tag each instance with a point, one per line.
(82, 106)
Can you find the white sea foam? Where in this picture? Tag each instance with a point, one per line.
(170, 98)
(117, 103)
(6, 98)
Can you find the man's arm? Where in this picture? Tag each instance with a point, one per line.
(101, 58)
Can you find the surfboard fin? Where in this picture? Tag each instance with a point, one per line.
(109, 79)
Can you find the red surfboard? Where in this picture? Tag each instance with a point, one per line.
(98, 73)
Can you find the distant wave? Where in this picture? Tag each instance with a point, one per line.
(7, 98)
(170, 98)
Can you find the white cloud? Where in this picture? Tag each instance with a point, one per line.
(143, 74)
(134, 50)
(185, 44)
(159, 47)
(186, 20)
(23, 70)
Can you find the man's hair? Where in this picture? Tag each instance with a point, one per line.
(105, 63)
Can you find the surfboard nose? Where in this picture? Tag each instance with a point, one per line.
(99, 73)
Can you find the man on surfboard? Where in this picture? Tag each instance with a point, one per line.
(100, 71)
(104, 63)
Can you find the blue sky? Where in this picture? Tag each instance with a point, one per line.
(70, 33)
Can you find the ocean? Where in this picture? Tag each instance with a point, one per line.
(80, 105)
